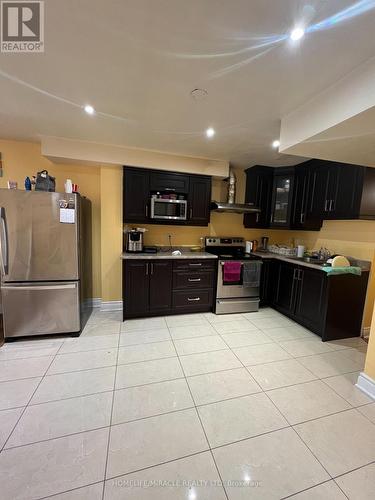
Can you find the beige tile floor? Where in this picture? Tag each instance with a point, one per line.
(190, 407)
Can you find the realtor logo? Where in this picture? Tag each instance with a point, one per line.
(22, 26)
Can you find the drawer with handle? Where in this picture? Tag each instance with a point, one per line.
(193, 279)
(194, 264)
(192, 300)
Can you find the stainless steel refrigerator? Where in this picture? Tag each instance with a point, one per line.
(42, 262)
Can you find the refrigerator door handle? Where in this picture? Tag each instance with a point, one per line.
(4, 250)
(39, 287)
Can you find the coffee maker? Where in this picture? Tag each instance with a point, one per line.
(134, 240)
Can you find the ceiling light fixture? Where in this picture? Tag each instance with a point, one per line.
(89, 109)
(210, 132)
(297, 34)
(276, 144)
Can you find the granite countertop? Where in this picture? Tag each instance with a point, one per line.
(363, 264)
(168, 255)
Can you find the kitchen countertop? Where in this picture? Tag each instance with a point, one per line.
(168, 255)
(363, 264)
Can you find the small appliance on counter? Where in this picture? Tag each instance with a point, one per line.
(134, 240)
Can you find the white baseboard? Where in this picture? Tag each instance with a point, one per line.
(97, 302)
(366, 384)
(112, 305)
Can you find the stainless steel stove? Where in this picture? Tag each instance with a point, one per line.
(234, 296)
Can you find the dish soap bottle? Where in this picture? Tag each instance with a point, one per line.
(28, 184)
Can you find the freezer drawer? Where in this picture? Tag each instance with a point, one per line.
(40, 308)
(229, 306)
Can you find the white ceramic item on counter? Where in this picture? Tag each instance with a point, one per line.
(68, 186)
(300, 251)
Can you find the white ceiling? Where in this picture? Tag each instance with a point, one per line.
(139, 60)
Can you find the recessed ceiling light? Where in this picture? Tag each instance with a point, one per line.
(297, 34)
(199, 94)
(89, 109)
(276, 144)
(210, 132)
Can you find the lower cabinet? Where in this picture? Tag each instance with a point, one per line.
(330, 306)
(162, 286)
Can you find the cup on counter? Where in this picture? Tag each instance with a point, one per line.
(248, 247)
(300, 251)
(75, 188)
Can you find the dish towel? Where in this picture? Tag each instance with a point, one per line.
(232, 271)
(251, 273)
(342, 270)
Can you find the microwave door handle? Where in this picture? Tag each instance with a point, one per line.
(4, 248)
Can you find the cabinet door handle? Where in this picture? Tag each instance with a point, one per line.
(302, 218)
(191, 213)
(194, 279)
(271, 218)
(147, 269)
(330, 205)
(299, 275)
(257, 217)
(169, 189)
(326, 206)
(195, 299)
(195, 265)
(295, 274)
(146, 210)
(152, 268)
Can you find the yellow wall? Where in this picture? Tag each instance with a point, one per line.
(22, 159)
(111, 242)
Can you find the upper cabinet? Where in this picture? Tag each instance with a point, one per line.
(199, 200)
(141, 185)
(305, 195)
(259, 182)
(282, 193)
(136, 192)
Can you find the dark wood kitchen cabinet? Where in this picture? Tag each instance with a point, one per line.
(199, 200)
(282, 197)
(267, 282)
(140, 183)
(153, 287)
(340, 191)
(160, 273)
(285, 287)
(301, 197)
(301, 217)
(330, 306)
(147, 286)
(169, 182)
(136, 193)
(259, 182)
(300, 294)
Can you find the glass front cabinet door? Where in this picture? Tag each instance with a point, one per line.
(282, 197)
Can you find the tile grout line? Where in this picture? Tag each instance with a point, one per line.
(290, 426)
(200, 421)
(28, 402)
(110, 420)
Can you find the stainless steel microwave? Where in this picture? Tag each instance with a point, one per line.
(166, 209)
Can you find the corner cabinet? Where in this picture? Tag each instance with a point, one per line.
(306, 194)
(140, 183)
(153, 287)
(282, 196)
(330, 306)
